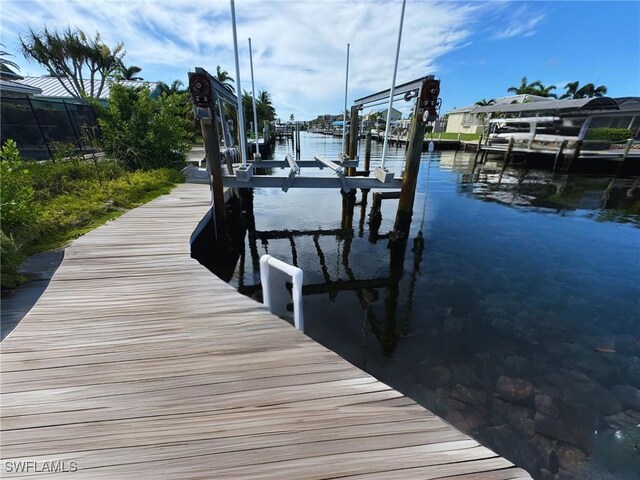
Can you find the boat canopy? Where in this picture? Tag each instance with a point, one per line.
(582, 104)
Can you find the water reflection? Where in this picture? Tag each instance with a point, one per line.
(512, 313)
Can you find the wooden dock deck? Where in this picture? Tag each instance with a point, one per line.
(138, 363)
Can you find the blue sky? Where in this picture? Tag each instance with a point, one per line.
(477, 49)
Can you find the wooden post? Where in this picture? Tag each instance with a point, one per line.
(506, 159)
(625, 154)
(367, 153)
(576, 154)
(214, 169)
(415, 141)
(353, 138)
(478, 150)
(559, 155)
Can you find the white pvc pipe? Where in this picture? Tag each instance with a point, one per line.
(255, 112)
(241, 133)
(393, 87)
(346, 89)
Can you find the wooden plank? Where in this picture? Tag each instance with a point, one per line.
(136, 362)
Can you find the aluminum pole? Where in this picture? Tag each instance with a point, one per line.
(346, 88)
(393, 87)
(241, 133)
(255, 112)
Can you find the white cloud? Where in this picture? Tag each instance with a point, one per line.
(299, 47)
(520, 22)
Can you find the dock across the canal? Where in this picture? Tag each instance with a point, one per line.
(137, 362)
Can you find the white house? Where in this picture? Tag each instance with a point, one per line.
(470, 119)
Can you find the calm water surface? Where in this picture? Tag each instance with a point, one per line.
(518, 323)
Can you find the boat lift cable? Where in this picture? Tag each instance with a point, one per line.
(241, 132)
(426, 188)
(393, 86)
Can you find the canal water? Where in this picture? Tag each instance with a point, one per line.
(519, 321)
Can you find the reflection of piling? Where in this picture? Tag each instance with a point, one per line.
(348, 204)
(375, 217)
(363, 211)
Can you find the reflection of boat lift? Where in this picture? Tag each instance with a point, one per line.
(366, 290)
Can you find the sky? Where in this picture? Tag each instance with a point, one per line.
(477, 49)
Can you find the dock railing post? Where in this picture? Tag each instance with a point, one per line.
(424, 111)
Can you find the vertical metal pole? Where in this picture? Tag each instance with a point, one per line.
(255, 112)
(346, 88)
(353, 139)
(393, 86)
(241, 133)
(367, 152)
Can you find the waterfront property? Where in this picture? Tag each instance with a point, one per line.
(138, 363)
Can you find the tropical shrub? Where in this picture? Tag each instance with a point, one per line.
(610, 134)
(16, 194)
(143, 133)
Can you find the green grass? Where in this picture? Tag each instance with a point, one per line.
(453, 136)
(70, 198)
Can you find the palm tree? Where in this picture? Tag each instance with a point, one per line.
(6, 66)
(129, 73)
(485, 103)
(224, 78)
(265, 107)
(176, 87)
(571, 89)
(546, 91)
(72, 58)
(526, 88)
(590, 90)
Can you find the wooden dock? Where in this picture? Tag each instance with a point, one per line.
(138, 363)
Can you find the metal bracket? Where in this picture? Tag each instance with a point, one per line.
(337, 169)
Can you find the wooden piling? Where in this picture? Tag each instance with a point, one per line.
(367, 153)
(506, 159)
(576, 154)
(428, 95)
(214, 170)
(625, 154)
(478, 150)
(559, 155)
